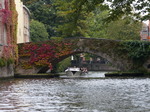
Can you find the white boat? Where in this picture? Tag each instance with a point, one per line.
(73, 71)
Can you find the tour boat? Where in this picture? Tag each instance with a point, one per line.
(73, 71)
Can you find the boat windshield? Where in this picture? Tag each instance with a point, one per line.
(73, 69)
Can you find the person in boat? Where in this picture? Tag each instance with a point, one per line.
(84, 70)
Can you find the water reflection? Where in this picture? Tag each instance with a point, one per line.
(75, 95)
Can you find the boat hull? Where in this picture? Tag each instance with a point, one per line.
(73, 73)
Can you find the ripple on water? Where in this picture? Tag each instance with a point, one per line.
(75, 95)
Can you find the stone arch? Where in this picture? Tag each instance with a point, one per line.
(55, 62)
(107, 49)
(107, 57)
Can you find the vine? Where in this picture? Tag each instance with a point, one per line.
(5, 62)
(14, 30)
(137, 50)
(8, 15)
(43, 53)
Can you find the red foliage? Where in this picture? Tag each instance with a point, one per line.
(42, 54)
(5, 14)
(6, 22)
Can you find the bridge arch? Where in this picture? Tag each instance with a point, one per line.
(55, 62)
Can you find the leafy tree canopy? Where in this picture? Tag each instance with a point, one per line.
(122, 29)
(139, 9)
(29, 2)
(68, 18)
(38, 31)
(74, 14)
(43, 11)
(117, 8)
(74, 11)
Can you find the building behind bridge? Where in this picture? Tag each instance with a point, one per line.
(145, 33)
(23, 30)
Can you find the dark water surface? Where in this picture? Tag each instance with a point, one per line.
(75, 95)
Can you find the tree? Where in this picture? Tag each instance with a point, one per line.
(43, 11)
(97, 28)
(138, 9)
(68, 18)
(27, 2)
(117, 8)
(127, 28)
(38, 31)
(74, 15)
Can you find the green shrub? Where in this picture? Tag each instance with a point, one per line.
(10, 61)
(2, 62)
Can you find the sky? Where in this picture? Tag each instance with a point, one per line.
(146, 22)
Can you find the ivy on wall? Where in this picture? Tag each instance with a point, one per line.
(9, 21)
(13, 30)
(4, 62)
(137, 50)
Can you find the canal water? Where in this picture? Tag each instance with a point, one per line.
(91, 93)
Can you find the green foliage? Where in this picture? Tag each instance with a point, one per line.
(97, 28)
(10, 61)
(44, 11)
(74, 22)
(4, 62)
(132, 8)
(38, 31)
(84, 18)
(127, 28)
(124, 29)
(137, 50)
(61, 66)
(29, 2)
(56, 38)
(117, 8)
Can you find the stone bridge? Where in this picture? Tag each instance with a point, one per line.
(41, 56)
